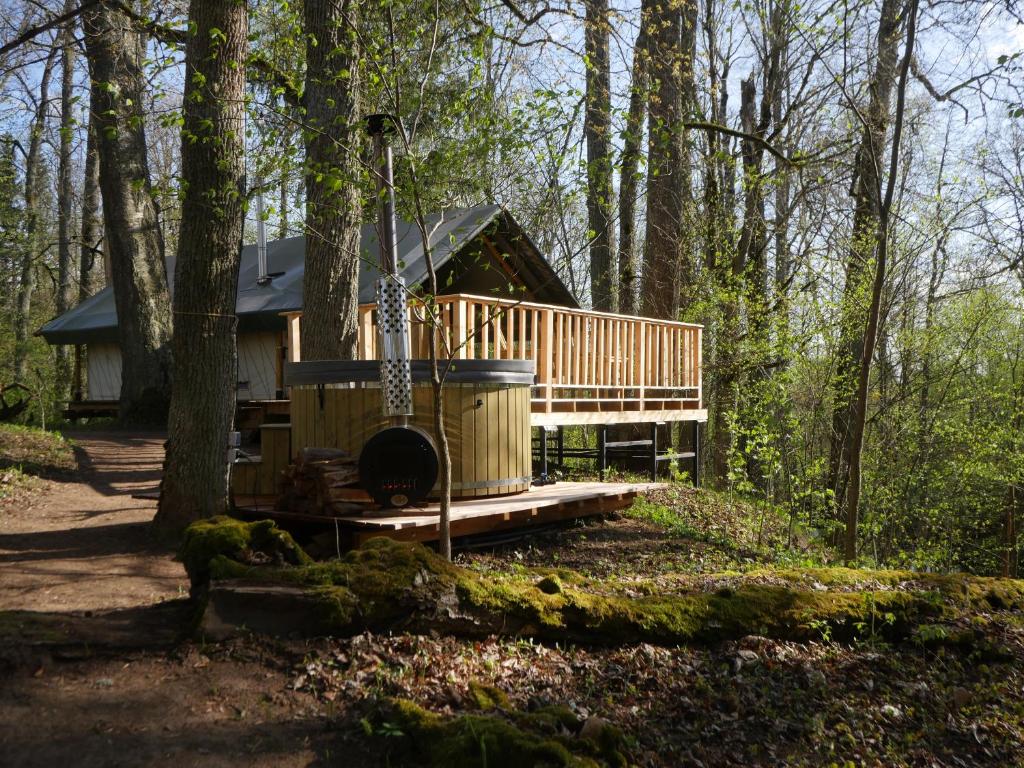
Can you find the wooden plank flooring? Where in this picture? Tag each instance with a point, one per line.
(539, 505)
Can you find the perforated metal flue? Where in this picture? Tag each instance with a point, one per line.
(392, 327)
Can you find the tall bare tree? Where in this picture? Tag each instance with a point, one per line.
(720, 253)
(867, 202)
(629, 175)
(32, 245)
(597, 126)
(91, 274)
(195, 483)
(65, 193)
(134, 243)
(668, 263)
(859, 404)
(333, 205)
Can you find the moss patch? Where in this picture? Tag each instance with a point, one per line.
(550, 585)
(522, 739)
(225, 539)
(487, 697)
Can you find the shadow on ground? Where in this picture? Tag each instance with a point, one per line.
(102, 540)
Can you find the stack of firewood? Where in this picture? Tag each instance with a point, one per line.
(322, 482)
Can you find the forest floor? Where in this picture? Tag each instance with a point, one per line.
(94, 672)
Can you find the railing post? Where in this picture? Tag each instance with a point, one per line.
(700, 368)
(459, 331)
(545, 353)
(366, 332)
(640, 361)
(294, 321)
(510, 330)
(485, 332)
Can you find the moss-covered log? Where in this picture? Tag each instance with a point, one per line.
(387, 585)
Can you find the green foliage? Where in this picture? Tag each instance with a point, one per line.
(15, 483)
(35, 451)
(662, 515)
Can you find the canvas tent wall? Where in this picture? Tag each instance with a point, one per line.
(104, 371)
(480, 250)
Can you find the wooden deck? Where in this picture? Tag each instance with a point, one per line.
(538, 506)
(591, 367)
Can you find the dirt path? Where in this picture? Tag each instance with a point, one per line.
(84, 544)
(93, 672)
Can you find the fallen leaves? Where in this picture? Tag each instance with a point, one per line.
(751, 702)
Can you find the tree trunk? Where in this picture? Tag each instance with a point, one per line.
(333, 136)
(133, 244)
(91, 247)
(89, 276)
(863, 242)
(756, 121)
(1015, 492)
(860, 400)
(27, 277)
(286, 169)
(65, 192)
(196, 477)
(632, 145)
(597, 127)
(721, 356)
(668, 267)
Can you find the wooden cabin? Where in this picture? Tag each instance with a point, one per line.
(523, 362)
(475, 250)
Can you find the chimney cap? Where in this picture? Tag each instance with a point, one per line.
(381, 124)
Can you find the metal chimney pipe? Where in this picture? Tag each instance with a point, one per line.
(379, 127)
(392, 313)
(263, 278)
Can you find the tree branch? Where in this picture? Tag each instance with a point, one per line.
(915, 69)
(264, 71)
(55, 21)
(715, 127)
(528, 20)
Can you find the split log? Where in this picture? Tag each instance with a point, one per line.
(322, 482)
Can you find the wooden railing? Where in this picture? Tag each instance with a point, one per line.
(585, 361)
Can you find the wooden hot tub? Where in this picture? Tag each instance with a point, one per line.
(337, 404)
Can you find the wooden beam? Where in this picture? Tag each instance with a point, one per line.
(293, 332)
(547, 418)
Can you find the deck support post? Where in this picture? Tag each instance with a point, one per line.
(543, 454)
(561, 446)
(654, 452)
(545, 476)
(696, 454)
(602, 450)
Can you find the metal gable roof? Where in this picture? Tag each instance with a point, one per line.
(95, 319)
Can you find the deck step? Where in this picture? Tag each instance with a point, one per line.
(671, 456)
(628, 444)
